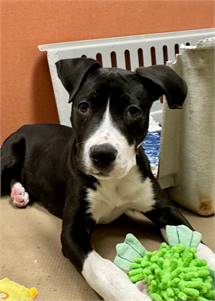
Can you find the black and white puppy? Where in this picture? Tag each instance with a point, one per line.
(95, 171)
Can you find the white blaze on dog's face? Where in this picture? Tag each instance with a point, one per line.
(107, 133)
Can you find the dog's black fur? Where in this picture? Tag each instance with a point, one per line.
(48, 159)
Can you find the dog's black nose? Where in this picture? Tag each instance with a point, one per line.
(102, 155)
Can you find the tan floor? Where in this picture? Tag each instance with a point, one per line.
(30, 251)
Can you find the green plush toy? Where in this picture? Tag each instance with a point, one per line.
(172, 273)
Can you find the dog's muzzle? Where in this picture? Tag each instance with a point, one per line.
(103, 156)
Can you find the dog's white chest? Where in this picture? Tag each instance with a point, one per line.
(113, 197)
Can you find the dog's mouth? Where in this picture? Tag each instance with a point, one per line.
(100, 173)
(101, 176)
(109, 173)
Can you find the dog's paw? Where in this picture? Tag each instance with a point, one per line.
(19, 196)
(206, 253)
(109, 281)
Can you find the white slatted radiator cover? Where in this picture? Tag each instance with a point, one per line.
(123, 52)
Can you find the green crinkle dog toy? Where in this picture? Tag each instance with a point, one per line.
(172, 273)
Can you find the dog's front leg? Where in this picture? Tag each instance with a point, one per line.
(102, 275)
(164, 214)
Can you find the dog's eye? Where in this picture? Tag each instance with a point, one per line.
(134, 113)
(83, 107)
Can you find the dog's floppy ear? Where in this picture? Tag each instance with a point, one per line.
(72, 73)
(162, 80)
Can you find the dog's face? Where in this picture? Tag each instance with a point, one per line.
(110, 117)
(110, 111)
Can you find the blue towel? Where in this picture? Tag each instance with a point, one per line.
(151, 146)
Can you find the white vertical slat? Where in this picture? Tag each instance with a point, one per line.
(106, 58)
(134, 58)
(159, 54)
(171, 52)
(147, 56)
(120, 58)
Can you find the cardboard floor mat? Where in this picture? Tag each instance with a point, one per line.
(30, 252)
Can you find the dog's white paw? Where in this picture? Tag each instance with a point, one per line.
(206, 253)
(19, 196)
(109, 281)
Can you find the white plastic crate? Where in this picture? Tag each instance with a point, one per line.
(123, 52)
